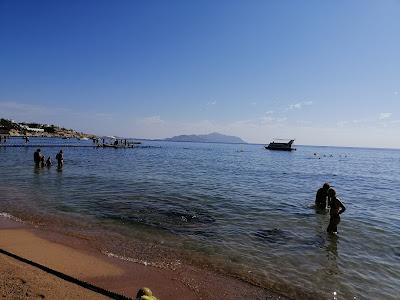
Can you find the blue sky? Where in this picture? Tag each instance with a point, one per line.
(323, 72)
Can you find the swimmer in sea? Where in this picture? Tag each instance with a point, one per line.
(42, 163)
(337, 208)
(322, 194)
(48, 162)
(37, 157)
(60, 159)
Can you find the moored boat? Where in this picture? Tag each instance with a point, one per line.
(281, 144)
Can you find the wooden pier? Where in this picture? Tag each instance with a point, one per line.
(46, 146)
(70, 146)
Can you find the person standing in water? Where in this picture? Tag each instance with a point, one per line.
(60, 159)
(337, 208)
(322, 194)
(42, 163)
(37, 157)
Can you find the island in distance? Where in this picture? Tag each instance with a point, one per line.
(214, 137)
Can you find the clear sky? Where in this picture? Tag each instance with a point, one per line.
(323, 72)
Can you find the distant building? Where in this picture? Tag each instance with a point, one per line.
(32, 129)
(36, 129)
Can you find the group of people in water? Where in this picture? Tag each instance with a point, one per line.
(326, 198)
(40, 160)
(3, 139)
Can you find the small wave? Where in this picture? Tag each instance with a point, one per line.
(163, 265)
(10, 217)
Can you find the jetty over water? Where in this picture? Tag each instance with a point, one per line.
(46, 146)
(56, 142)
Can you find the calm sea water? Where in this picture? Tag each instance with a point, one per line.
(246, 209)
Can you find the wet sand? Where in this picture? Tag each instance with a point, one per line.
(21, 281)
(73, 256)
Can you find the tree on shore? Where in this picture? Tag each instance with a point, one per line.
(8, 124)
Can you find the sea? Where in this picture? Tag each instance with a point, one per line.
(236, 208)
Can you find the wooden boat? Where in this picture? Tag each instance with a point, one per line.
(278, 144)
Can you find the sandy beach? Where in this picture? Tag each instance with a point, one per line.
(20, 281)
(74, 257)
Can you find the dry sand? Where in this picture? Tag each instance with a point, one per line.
(72, 257)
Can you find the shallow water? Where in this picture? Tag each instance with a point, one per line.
(246, 209)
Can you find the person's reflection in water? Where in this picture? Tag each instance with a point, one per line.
(331, 247)
(36, 169)
(332, 270)
(327, 273)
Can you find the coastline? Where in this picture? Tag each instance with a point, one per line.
(75, 256)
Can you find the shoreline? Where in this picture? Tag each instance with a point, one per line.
(75, 256)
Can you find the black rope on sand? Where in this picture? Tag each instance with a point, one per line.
(68, 278)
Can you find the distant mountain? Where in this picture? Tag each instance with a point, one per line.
(207, 138)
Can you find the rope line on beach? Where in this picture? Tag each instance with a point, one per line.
(68, 278)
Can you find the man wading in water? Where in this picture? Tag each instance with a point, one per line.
(60, 159)
(320, 198)
(37, 157)
(337, 208)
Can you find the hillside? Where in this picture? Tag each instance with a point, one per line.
(207, 138)
(9, 127)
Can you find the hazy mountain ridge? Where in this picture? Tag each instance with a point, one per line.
(214, 137)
